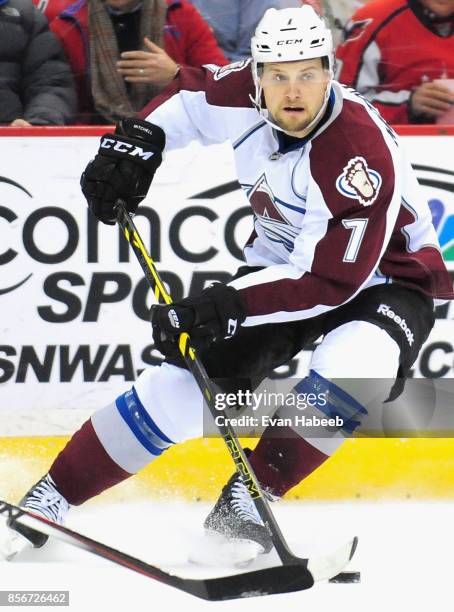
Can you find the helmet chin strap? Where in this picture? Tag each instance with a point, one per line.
(269, 119)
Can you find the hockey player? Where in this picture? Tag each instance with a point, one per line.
(342, 238)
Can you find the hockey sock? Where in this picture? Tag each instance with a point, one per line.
(83, 468)
(282, 459)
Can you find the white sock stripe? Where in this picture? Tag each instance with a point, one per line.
(118, 440)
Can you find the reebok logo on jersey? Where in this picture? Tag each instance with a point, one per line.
(359, 182)
(385, 310)
(125, 147)
(173, 318)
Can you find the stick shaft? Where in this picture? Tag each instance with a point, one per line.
(207, 389)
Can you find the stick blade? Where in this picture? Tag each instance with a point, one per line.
(326, 567)
(269, 581)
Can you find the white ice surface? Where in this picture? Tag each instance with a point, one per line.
(405, 557)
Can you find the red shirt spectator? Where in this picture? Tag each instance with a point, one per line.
(394, 50)
(187, 39)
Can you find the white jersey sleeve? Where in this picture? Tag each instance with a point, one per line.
(205, 104)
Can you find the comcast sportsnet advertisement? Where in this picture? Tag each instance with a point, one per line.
(73, 299)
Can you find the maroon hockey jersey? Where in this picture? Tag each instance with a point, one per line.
(334, 213)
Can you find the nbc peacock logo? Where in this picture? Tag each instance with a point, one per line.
(440, 191)
(444, 224)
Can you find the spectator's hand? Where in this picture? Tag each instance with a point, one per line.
(431, 99)
(20, 123)
(152, 66)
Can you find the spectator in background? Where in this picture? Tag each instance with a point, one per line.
(124, 52)
(338, 13)
(234, 22)
(36, 85)
(395, 52)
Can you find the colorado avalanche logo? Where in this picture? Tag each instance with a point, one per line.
(276, 226)
(359, 182)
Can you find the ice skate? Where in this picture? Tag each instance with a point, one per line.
(235, 533)
(42, 499)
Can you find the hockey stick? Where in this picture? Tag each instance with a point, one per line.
(207, 389)
(281, 579)
(268, 581)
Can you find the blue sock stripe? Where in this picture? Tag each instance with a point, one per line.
(149, 421)
(141, 424)
(339, 402)
(337, 393)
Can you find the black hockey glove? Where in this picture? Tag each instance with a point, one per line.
(213, 315)
(123, 168)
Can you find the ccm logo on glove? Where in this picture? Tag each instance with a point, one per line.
(215, 314)
(123, 168)
(173, 318)
(125, 147)
(231, 327)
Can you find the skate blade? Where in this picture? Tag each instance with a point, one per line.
(13, 545)
(214, 550)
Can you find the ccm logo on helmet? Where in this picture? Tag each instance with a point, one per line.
(384, 309)
(125, 147)
(294, 41)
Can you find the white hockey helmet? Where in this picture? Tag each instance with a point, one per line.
(289, 35)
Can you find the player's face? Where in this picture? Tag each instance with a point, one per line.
(442, 8)
(294, 92)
